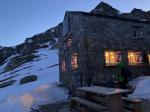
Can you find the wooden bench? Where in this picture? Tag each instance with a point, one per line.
(132, 105)
(76, 101)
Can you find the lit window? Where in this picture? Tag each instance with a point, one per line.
(74, 61)
(63, 65)
(134, 57)
(112, 57)
(149, 58)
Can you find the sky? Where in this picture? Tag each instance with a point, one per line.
(21, 19)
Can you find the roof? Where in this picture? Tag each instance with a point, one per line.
(107, 17)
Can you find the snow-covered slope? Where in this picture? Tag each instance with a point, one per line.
(39, 66)
(20, 98)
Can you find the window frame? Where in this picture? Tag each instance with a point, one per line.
(63, 65)
(110, 64)
(137, 63)
(138, 33)
(67, 43)
(74, 61)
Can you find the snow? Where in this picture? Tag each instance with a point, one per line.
(142, 88)
(20, 98)
(137, 80)
(120, 13)
(29, 41)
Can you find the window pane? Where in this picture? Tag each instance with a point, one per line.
(74, 61)
(63, 65)
(112, 57)
(134, 57)
(149, 58)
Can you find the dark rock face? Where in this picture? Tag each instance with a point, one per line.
(105, 9)
(19, 60)
(6, 52)
(137, 14)
(28, 79)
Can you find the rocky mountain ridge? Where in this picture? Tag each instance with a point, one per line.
(34, 43)
(106, 9)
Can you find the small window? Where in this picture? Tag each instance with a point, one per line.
(112, 58)
(134, 57)
(149, 58)
(63, 65)
(74, 61)
(137, 33)
(68, 43)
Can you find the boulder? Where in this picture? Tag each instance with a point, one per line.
(28, 79)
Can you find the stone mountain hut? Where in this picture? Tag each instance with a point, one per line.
(94, 43)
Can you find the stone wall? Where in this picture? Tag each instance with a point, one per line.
(113, 34)
(93, 34)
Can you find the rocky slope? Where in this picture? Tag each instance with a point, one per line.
(33, 43)
(24, 52)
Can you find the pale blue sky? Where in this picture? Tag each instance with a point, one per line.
(20, 19)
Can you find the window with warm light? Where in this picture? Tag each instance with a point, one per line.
(74, 61)
(149, 58)
(63, 65)
(112, 58)
(134, 57)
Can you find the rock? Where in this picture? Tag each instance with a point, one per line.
(28, 79)
(5, 52)
(138, 13)
(19, 60)
(105, 9)
(7, 83)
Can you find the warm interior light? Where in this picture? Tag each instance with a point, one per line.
(112, 57)
(134, 57)
(149, 58)
(63, 65)
(74, 61)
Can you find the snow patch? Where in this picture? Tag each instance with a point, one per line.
(142, 88)
(29, 41)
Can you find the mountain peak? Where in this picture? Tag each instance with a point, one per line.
(105, 9)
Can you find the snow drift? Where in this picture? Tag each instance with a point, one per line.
(44, 94)
(142, 88)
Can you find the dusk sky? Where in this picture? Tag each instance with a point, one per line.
(20, 19)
